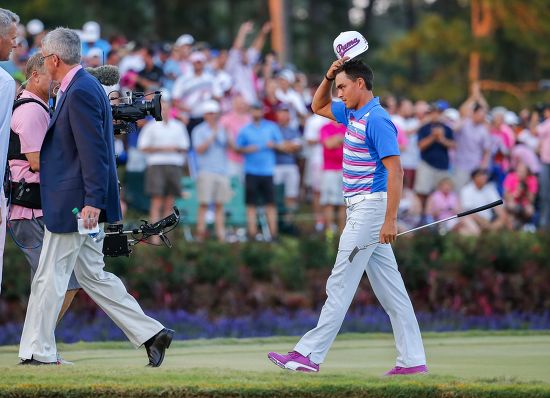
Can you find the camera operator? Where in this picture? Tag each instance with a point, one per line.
(77, 166)
(8, 34)
(29, 123)
(540, 124)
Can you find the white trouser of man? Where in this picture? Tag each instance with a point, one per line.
(363, 224)
(61, 253)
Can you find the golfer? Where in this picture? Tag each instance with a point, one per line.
(373, 179)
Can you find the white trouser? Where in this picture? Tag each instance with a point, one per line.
(363, 224)
(61, 253)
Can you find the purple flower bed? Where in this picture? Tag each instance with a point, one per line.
(99, 327)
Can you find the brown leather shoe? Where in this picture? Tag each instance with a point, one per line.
(156, 346)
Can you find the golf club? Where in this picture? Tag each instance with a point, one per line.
(465, 213)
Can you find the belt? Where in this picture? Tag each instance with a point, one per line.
(352, 200)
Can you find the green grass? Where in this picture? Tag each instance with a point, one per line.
(473, 364)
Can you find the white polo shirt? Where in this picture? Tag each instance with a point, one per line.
(163, 135)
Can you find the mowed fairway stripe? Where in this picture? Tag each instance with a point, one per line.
(494, 359)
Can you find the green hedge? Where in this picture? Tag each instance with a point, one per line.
(200, 276)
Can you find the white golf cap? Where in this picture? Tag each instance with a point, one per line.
(91, 31)
(511, 118)
(288, 75)
(185, 40)
(35, 26)
(95, 52)
(452, 114)
(197, 56)
(210, 106)
(350, 44)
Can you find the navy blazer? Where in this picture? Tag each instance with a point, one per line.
(77, 158)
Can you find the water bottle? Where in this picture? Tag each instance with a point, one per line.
(97, 234)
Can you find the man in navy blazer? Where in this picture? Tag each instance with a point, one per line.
(77, 166)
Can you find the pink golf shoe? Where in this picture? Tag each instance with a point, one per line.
(399, 371)
(293, 361)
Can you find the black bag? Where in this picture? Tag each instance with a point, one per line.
(21, 193)
(25, 194)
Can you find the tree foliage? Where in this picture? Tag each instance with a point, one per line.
(418, 48)
(517, 50)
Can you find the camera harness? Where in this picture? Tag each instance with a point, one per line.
(22, 193)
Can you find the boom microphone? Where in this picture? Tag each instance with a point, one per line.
(108, 75)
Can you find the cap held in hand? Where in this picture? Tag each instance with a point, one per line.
(350, 44)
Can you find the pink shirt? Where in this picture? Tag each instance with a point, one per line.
(543, 131)
(402, 139)
(30, 121)
(332, 157)
(505, 134)
(442, 206)
(233, 123)
(511, 185)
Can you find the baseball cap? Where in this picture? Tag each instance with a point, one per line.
(197, 56)
(35, 26)
(210, 106)
(288, 75)
(441, 105)
(185, 40)
(349, 44)
(452, 114)
(166, 48)
(498, 110)
(511, 118)
(91, 31)
(95, 52)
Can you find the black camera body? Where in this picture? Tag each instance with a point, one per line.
(116, 242)
(125, 115)
(119, 242)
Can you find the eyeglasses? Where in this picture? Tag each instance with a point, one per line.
(46, 56)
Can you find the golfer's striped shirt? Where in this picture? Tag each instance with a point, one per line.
(370, 137)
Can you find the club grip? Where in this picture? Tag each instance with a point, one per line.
(481, 208)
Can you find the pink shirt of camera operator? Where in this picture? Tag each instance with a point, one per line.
(30, 121)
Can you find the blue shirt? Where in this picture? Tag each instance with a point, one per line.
(172, 71)
(103, 45)
(214, 159)
(261, 162)
(370, 137)
(289, 134)
(437, 154)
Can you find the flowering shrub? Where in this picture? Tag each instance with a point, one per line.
(493, 281)
(98, 327)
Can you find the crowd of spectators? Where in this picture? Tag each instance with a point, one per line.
(240, 114)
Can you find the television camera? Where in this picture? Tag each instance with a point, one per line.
(128, 108)
(119, 242)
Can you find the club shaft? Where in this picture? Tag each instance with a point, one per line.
(427, 225)
(414, 229)
(472, 211)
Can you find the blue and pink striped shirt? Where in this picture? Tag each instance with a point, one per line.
(370, 137)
